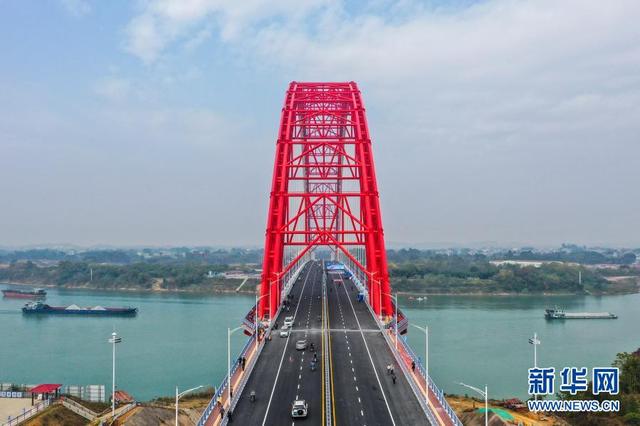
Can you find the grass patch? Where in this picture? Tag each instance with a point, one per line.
(96, 407)
(57, 415)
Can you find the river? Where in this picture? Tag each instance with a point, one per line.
(180, 339)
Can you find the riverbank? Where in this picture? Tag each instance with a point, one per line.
(245, 290)
(469, 409)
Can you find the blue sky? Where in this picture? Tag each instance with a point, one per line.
(154, 121)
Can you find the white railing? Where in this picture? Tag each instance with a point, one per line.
(125, 410)
(79, 409)
(27, 414)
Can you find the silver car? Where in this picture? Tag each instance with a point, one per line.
(299, 408)
(301, 345)
(284, 331)
(288, 322)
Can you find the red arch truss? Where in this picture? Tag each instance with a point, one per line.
(324, 190)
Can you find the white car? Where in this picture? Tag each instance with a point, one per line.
(299, 408)
(301, 345)
(285, 331)
(288, 322)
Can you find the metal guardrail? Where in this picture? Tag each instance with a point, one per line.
(432, 386)
(223, 386)
(79, 409)
(417, 391)
(124, 411)
(27, 414)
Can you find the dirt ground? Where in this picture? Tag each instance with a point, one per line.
(464, 406)
(56, 415)
(153, 416)
(13, 407)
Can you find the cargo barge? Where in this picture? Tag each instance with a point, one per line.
(37, 293)
(560, 314)
(42, 308)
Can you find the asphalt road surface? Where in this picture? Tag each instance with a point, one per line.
(283, 373)
(362, 393)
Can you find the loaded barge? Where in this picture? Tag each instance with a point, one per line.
(38, 293)
(42, 308)
(556, 314)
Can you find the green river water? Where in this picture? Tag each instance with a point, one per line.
(181, 339)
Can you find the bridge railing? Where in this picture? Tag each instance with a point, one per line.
(432, 386)
(213, 404)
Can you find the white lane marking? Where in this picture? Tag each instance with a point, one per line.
(284, 351)
(370, 359)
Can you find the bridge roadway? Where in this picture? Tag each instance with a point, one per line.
(362, 391)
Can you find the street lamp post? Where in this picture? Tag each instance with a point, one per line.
(115, 339)
(180, 395)
(426, 360)
(535, 342)
(255, 315)
(395, 313)
(229, 333)
(485, 394)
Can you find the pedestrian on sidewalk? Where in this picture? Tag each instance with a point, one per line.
(244, 363)
(413, 366)
(221, 413)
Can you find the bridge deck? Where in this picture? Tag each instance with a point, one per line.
(363, 393)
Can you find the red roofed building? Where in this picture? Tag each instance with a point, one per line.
(123, 397)
(45, 390)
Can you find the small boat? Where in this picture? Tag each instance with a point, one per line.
(560, 314)
(42, 308)
(37, 293)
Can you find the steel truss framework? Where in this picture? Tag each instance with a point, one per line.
(324, 190)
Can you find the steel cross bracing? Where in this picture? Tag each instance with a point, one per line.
(324, 190)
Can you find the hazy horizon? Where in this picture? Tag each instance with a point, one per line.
(154, 123)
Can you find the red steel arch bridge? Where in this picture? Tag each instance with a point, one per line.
(325, 335)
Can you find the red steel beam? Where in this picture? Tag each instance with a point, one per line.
(324, 189)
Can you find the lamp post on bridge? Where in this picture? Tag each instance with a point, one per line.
(426, 360)
(229, 333)
(374, 281)
(485, 394)
(180, 395)
(395, 312)
(255, 315)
